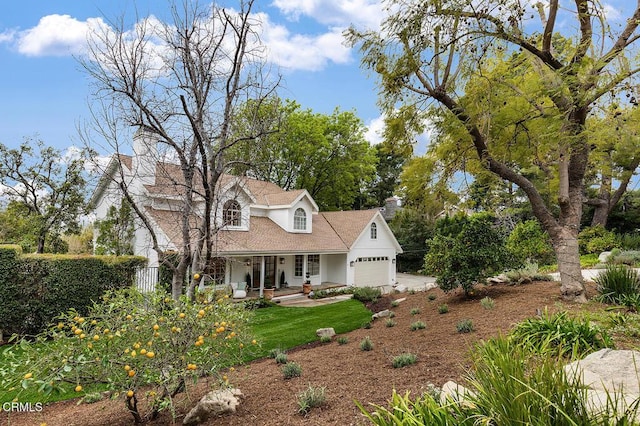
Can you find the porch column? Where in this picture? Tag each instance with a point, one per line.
(261, 275)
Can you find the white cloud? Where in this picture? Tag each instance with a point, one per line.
(366, 13)
(302, 52)
(374, 130)
(55, 35)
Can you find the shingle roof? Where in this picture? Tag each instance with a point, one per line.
(349, 224)
(265, 236)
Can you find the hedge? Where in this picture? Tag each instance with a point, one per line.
(34, 289)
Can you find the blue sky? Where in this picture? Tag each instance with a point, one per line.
(44, 92)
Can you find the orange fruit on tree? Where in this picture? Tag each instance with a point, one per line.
(129, 394)
(78, 388)
(131, 373)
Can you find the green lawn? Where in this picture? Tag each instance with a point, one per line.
(285, 327)
(274, 327)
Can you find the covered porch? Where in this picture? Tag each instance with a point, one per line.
(286, 273)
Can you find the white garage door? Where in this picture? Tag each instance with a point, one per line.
(372, 271)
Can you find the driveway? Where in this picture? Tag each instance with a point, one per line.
(416, 282)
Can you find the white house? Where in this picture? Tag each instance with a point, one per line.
(264, 231)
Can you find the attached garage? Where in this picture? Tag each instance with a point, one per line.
(372, 271)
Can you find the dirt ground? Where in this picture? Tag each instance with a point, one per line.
(348, 373)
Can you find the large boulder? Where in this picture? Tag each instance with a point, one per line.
(215, 403)
(609, 375)
(325, 332)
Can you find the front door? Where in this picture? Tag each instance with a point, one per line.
(269, 271)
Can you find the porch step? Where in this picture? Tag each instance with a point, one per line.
(289, 297)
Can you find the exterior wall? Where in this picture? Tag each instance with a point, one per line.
(305, 205)
(384, 245)
(243, 199)
(333, 268)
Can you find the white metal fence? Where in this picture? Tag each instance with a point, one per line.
(147, 278)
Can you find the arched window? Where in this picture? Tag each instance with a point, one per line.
(300, 220)
(374, 231)
(231, 213)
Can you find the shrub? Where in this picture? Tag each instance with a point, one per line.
(325, 339)
(559, 334)
(443, 309)
(425, 410)
(310, 398)
(367, 294)
(366, 344)
(415, 311)
(418, 325)
(367, 325)
(630, 241)
(629, 257)
(281, 358)
(487, 303)
(465, 326)
(617, 281)
(390, 323)
(403, 360)
(530, 243)
(461, 259)
(38, 287)
(291, 370)
(596, 239)
(342, 340)
(131, 341)
(431, 297)
(394, 303)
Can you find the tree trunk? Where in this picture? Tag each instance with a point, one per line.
(565, 244)
(40, 248)
(601, 215)
(179, 275)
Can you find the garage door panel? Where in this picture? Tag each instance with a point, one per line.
(372, 271)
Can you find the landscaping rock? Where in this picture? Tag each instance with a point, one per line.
(215, 403)
(325, 332)
(451, 391)
(381, 314)
(604, 256)
(500, 279)
(608, 371)
(400, 288)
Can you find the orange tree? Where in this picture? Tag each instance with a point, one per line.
(138, 346)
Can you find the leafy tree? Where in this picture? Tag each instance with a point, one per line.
(387, 176)
(325, 154)
(625, 217)
(46, 190)
(530, 243)
(411, 228)
(116, 231)
(428, 51)
(465, 251)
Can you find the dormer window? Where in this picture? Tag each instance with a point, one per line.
(231, 213)
(300, 220)
(374, 231)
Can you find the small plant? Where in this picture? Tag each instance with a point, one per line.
(366, 344)
(412, 291)
(313, 396)
(390, 323)
(617, 281)
(367, 325)
(418, 325)
(281, 358)
(487, 303)
(415, 311)
(465, 326)
(443, 309)
(291, 370)
(273, 353)
(367, 294)
(561, 334)
(403, 360)
(342, 340)
(325, 339)
(431, 297)
(392, 314)
(395, 303)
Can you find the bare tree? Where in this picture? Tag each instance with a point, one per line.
(427, 51)
(179, 84)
